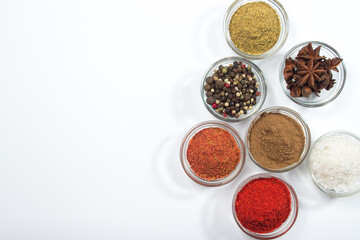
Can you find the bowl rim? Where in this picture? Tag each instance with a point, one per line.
(293, 213)
(186, 166)
(308, 168)
(325, 101)
(294, 115)
(284, 20)
(260, 78)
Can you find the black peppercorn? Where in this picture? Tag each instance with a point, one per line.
(209, 80)
(210, 100)
(207, 87)
(219, 84)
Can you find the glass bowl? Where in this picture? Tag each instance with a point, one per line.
(322, 188)
(284, 22)
(326, 96)
(259, 77)
(294, 115)
(184, 146)
(285, 226)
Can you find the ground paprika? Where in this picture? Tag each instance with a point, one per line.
(263, 205)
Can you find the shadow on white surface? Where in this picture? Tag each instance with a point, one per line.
(168, 172)
(209, 25)
(187, 105)
(217, 218)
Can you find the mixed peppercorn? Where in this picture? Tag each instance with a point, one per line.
(232, 90)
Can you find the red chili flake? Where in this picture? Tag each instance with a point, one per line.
(224, 115)
(214, 105)
(263, 204)
(213, 153)
(258, 93)
(243, 66)
(227, 85)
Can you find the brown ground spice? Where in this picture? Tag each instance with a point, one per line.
(276, 140)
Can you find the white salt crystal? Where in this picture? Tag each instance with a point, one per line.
(335, 163)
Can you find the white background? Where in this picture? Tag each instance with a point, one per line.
(96, 96)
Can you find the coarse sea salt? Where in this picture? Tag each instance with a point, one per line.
(335, 163)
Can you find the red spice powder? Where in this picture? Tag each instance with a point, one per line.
(213, 153)
(263, 204)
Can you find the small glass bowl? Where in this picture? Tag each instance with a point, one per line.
(185, 143)
(285, 227)
(284, 22)
(322, 188)
(326, 96)
(294, 115)
(259, 77)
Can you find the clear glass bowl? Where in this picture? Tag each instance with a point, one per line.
(259, 77)
(325, 96)
(184, 146)
(285, 226)
(294, 115)
(322, 188)
(284, 22)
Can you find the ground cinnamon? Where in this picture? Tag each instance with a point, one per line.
(276, 140)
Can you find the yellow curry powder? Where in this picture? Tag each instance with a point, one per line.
(255, 28)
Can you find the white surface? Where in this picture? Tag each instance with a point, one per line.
(95, 97)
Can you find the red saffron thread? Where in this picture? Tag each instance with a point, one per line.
(263, 205)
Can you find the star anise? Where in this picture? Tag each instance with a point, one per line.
(309, 72)
(295, 91)
(306, 91)
(289, 69)
(307, 53)
(332, 64)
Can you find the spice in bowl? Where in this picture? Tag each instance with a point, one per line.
(213, 153)
(254, 28)
(232, 90)
(263, 205)
(309, 72)
(334, 163)
(276, 141)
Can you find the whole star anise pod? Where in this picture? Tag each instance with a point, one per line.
(309, 72)
(307, 53)
(289, 68)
